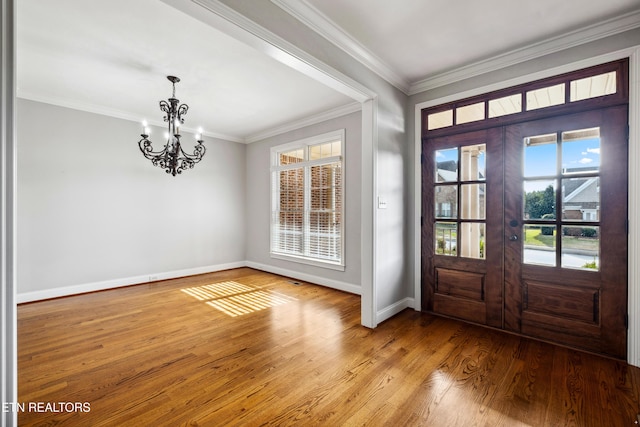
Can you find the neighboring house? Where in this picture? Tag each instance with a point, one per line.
(446, 197)
(581, 200)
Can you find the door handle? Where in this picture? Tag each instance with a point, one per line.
(513, 237)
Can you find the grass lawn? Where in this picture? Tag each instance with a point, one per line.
(534, 238)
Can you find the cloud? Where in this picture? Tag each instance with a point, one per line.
(585, 160)
(591, 151)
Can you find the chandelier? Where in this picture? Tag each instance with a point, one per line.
(172, 158)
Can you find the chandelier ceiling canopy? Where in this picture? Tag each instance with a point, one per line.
(172, 158)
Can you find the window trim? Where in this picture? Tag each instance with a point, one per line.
(305, 144)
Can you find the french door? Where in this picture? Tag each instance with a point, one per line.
(462, 213)
(525, 228)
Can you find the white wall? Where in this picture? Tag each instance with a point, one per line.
(386, 286)
(94, 213)
(258, 188)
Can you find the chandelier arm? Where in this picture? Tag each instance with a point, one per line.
(146, 148)
(165, 107)
(182, 111)
(198, 153)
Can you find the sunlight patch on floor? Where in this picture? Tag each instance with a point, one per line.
(236, 299)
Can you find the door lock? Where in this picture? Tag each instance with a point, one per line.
(513, 237)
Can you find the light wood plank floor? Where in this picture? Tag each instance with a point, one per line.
(191, 352)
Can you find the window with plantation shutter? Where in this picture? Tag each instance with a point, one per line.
(307, 201)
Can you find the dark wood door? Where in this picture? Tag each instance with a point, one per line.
(566, 230)
(524, 228)
(462, 226)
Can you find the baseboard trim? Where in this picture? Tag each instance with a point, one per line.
(66, 291)
(381, 315)
(393, 309)
(26, 297)
(334, 284)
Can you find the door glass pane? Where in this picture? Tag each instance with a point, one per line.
(472, 201)
(446, 201)
(545, 97)
(446, 238)
(540, 155)
(472, 240)
(581, 151)
(581, 247)
(540, 245)
(447, 165)
(470, 113)
(540, 199)
(440, 120)
(474, 161)
(506, 105)
(591, 87)
(581, 199)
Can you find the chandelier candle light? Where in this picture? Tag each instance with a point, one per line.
(172, 158)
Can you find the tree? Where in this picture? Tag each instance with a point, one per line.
(539, 203)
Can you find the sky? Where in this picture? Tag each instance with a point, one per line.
(541, 160)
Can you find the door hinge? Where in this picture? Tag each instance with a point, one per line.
(421, 221)
(628, 132)
(422, 158)
(626, 321)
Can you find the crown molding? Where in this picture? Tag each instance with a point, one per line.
(124, 115)
(307, 121)
(317, 21)
(110, 112)
(610, 27)
(321, 24)
(245, 30)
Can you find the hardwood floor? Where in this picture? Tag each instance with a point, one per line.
(163, 354)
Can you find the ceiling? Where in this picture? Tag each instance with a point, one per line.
(422, 38)
(89, 55)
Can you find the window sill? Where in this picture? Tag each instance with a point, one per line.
(309, 261)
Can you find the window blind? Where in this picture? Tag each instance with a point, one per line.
(307, 200)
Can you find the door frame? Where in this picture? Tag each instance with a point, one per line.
(633, 53)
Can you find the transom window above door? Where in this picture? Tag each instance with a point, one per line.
(555, 94)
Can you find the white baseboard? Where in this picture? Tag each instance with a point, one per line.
(393, 309)
(136, 280)
(118, 283)
(318, 280)
(381, 315)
